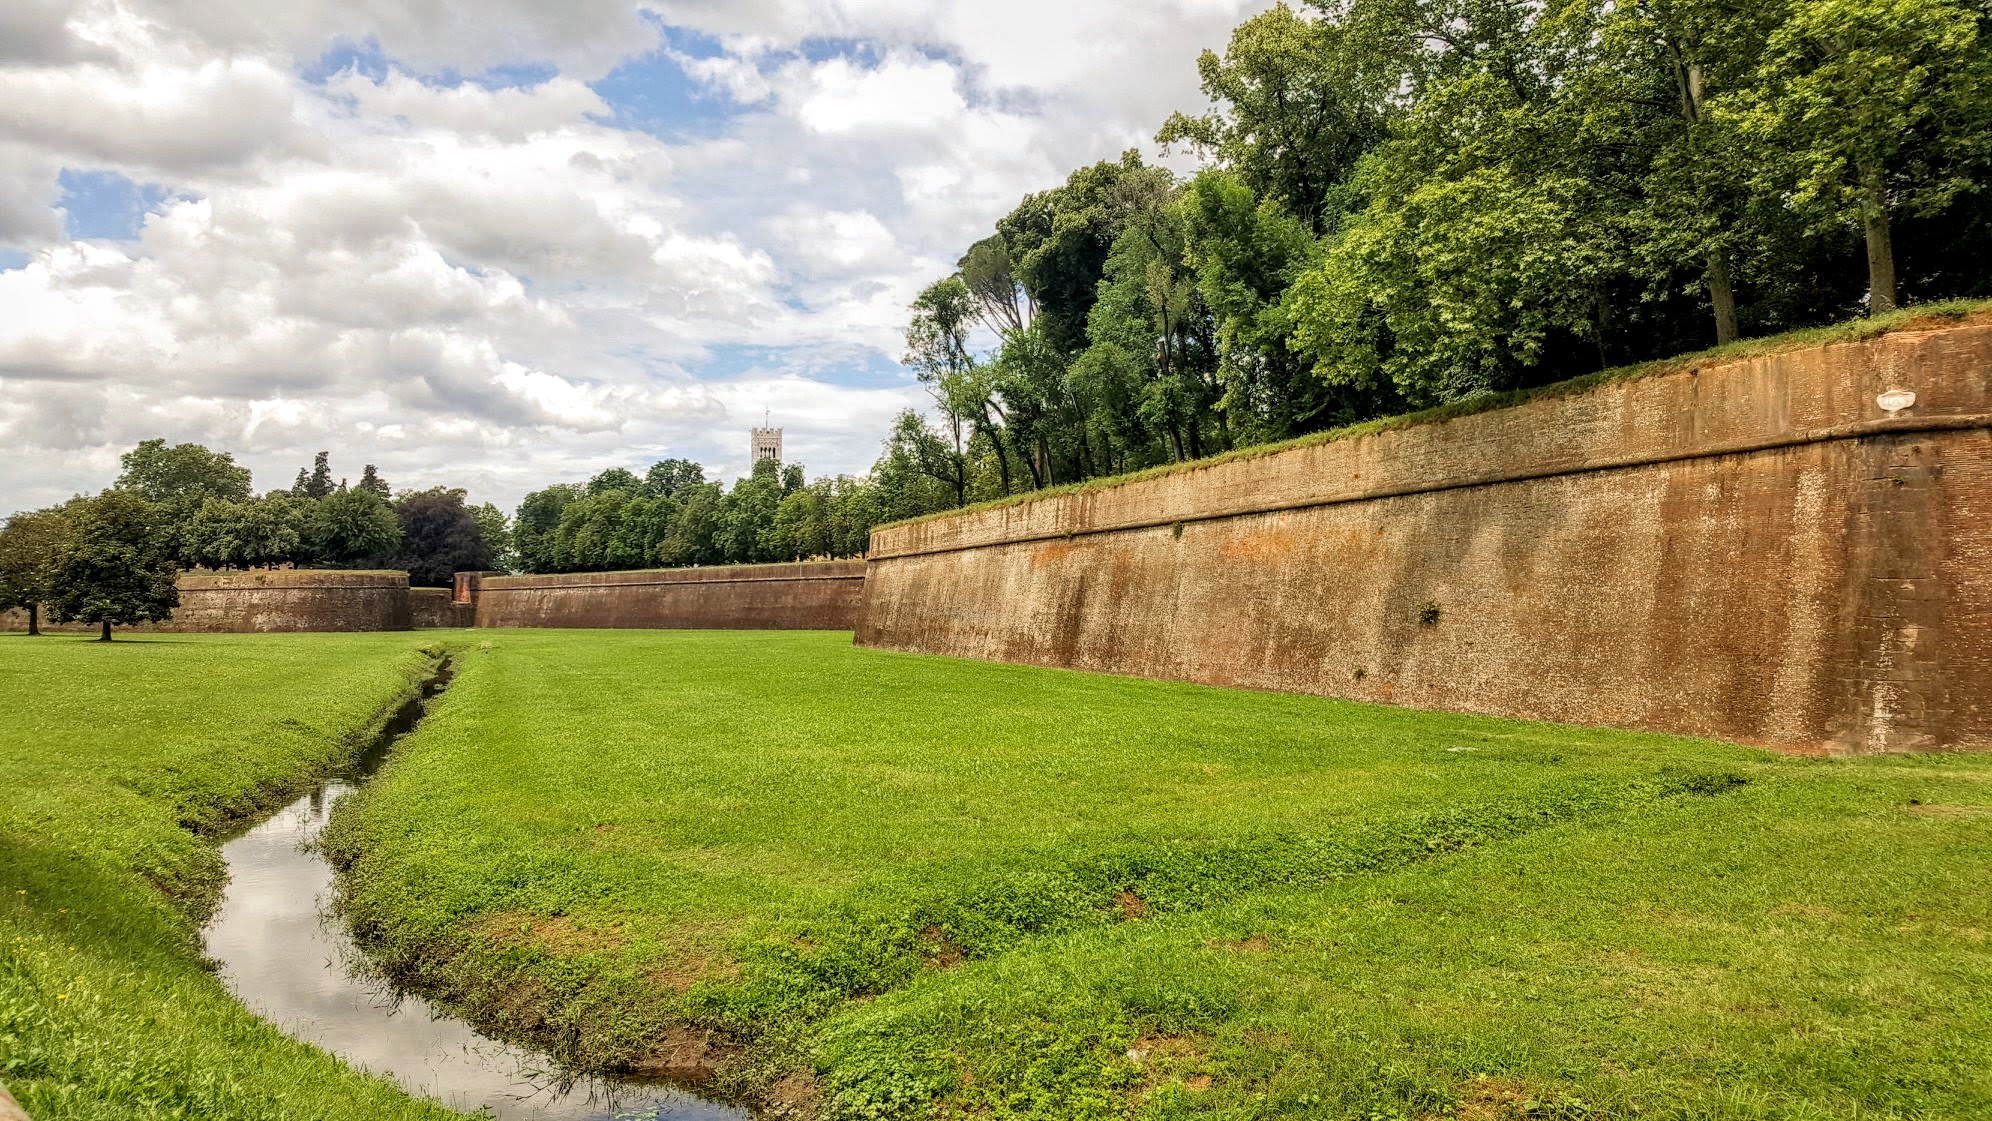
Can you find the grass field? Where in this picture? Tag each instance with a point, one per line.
(119, 765)
(909, 886)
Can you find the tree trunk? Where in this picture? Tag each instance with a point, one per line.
(1722, 294)
(105, 634)
(34, 618)
(1880, 245)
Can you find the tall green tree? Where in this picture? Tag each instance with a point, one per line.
(115, 567)
(937, 351)
(31, 550)
(1645, 83)
(694, 536)
(1865, 111)
(319, 483)
(1246, 252)
(615, 478)
(535, 528)
(182, 476)
(261, 532)
(747, 513)
(667, 477)
(1297, 102)
(351, 528)
(497, 532)
(370, 480)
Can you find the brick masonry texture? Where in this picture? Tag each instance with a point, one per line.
(821, 595)
(278, 600)
(288, 600)
(437, 607)
(1753, 549)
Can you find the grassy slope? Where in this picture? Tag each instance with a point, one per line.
(111, 757)
(983, 886)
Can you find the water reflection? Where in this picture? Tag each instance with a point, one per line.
(285, 958)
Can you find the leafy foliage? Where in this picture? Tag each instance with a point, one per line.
(182, 476)
(1411, 203)
(352, 528)
(439, 537)
(113, 567)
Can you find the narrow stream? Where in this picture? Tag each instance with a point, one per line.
(284, 955)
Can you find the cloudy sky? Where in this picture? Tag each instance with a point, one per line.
(509, 242)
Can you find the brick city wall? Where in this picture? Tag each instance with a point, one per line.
(819, 595)
(289, 600)
(1755, 549)
(438, 607)
(277, 600)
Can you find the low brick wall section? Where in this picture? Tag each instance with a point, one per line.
(819, 595)
(1772, 549)
(437, 607)
(289, 600)
(279, 600)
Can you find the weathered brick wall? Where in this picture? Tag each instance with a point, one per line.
(1754, 550)
(292, 600)
(821, 595)
(277, 600)
(437, 607)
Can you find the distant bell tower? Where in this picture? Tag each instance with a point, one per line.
(767, 442)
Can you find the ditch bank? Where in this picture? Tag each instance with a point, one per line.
(1790, 549)
(280, 957)
(752, 1024)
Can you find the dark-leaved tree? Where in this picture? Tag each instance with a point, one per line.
(318, 484)
(440, 537)
(370, 480)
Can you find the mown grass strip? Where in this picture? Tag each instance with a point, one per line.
(901, 886)
(120, 767)
(884, 943)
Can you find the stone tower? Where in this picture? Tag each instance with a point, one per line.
(767, 443)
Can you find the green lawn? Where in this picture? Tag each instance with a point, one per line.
(119, 765)
(953, 888)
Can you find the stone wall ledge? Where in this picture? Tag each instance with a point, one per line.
(1088, 524)
(672, 577)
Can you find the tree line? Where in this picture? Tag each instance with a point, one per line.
(1405, 203)
(112, 558)
(672, 516)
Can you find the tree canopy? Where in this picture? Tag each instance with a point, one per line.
(1405, 203)
(114, 567)
(32, 545)
(440, 537)
(182, 475)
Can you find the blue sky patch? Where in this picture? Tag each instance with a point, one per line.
(106, 204)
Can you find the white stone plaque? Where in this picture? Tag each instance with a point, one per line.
(1896, 400)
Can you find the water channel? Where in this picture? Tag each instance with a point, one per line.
(284, 955)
